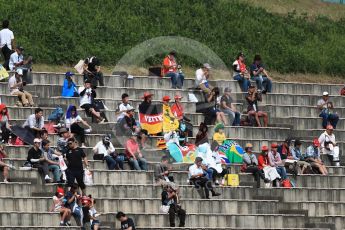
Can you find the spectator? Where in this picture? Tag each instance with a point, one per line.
(62, 141)
(342, 91)
(4, 123)
(69, 88)
(250, 165)
(7, 42)
(170, 123)
(201, 136)
(134, 155)
(126, 222)
(201, 78)
(37, 160)
(35, 123)
(329, 146)
(17, 62)
(264, 164)
(3, 166)
(173, 71)
(260, 75)
(170, 198)
(75, 171)
(52, 158)
(57, 206)
(105, 147)
(276, 161)
(16, 87)
(92, 71)
(198, 177)
(252, 97)
(298, 157)
(227, 106)
(219, 135)
(95, 223)
(241, 73)
(312, 156)
(177, 108)
(212, 111)
(326, 107)
(87, 95)
(161, 172)
(123, 107)
(72, 200)
(284, 150)
(146, 104)
(86, 205)
(44, 135)
(72, 121)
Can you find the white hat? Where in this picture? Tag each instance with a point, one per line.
(207, 66)
(19, 71)
(325, 93)
(37, 140)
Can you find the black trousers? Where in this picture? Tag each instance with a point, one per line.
(173, 210)
(42, 168)
(203, 182)
(215, 174)
(7, 53)
(257, 173)
(75, 128)
(5, 134)
(73, 174)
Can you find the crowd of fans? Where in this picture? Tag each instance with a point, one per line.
(271, 165)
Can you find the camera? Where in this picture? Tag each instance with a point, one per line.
(24, 83)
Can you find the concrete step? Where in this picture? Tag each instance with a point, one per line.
(161, 220)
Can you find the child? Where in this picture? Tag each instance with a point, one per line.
(219, 135)
(93, 215)
(58, 207)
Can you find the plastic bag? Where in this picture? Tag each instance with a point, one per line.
(88, 179)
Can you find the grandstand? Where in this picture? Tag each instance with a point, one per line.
(317, 202)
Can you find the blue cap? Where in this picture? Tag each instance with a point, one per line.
(68, 74)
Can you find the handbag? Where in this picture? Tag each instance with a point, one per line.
(164, 209)
(99, 105)
(79, 67)
(88, 180)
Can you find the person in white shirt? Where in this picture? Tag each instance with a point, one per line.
(326, 107)
(87, 94)
(106, 148)
(72, 121)
(329, 146)
(199, 178)
(17, 62)
(35, 122)
(7, 42)
(15, 86)
(201, 78)
(123, 107)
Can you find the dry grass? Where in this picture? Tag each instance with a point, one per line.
(313, 8)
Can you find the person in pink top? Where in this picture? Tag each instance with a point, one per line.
(134, 155)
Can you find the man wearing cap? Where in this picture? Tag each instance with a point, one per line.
(276, 161)
(17, 62)
(199, 178)
(312, 156)
(170, 69)
(106, 148)
(298, 158)
(37, 160)
(201, 78)
(177, 108)
(227, 107)
(145, 106)
(170, 123)
(87, 95)
(62, 141)
(241, 73)
(16, 87)
(259, 74)
(69, 88)
(326, 106)
(329, 146)
(264, 164)
(250, 165)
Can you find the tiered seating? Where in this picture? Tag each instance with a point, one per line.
(316, 202)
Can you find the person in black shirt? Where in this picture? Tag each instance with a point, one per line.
(74, 157)
(170, 198)
(126, 223)
(37, 160)
(252, 97)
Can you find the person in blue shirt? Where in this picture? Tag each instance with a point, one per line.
(69, 88)
(259, 74)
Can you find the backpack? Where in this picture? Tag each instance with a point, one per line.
(286, 183)
(56, 115)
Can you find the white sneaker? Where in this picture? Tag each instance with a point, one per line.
(83, 146)
(88, 130)
(11, 166)
(6, 181)
(102, 121)
(47, 178)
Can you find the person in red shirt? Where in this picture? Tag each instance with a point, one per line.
(270, 172)
(3, 166)
(172, 70)
(134, 155)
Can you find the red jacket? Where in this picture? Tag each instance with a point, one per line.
(263, 160)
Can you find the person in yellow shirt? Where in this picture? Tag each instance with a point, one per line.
(219, 134)
(170, 122)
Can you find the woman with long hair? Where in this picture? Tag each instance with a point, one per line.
(4, 123)
(72, 121)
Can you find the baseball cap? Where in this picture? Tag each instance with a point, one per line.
(87, 81)
(207, 66)
(69, 73)
(274, 145)
(264, 148)
(37, 140)
(63, 130)
(147, 94)
(316, 142)
(177, 96)
(249, 145)
(325, 93)
(19, 71)
(227, 90)
(166, 98)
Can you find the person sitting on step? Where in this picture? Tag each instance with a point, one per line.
(16, 87)
(312, 156)
(275, 161)
(259, 74)
(264, 164)
(35, 123)
(106, 148)
(134, 155)
(3, 166)
(241, 73)
(328, 116)
(329, 146)
(171, 69)
(252, 97)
